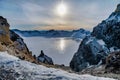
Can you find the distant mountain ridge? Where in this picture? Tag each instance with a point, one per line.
(80, 33)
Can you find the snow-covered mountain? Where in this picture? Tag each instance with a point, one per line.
(92, 52)
(12, 68)
(81, 33)
(109, 29)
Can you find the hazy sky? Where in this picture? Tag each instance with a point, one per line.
(40, 14)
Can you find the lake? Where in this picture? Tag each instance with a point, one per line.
(61, 50)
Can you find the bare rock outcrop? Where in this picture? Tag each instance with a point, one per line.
(113, 62)
(13, 43)
(118, 8)
(91, 52)
(44, 58)
(109, 29)
(109, 32)
(4, 31)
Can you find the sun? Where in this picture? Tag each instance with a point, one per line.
(61, 9)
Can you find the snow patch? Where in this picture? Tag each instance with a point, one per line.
(90, 40)
(38, 72)
(101, 42)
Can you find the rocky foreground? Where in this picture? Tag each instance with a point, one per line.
(12, 68)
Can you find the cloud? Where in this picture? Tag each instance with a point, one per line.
(56, 27)
(32, 12)
(39, 14)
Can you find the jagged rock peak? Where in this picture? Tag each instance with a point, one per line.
(4, 31)
(13, 43)
(1, 17)
(118, 8)
(4, 21)
(92, 53)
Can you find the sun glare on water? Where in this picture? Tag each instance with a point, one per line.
(62, 44)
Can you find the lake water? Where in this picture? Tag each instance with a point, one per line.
(61, 50)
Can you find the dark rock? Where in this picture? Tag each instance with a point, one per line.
(113, 62)
(34, 56)
(14, 36)
(109, 30)
(20, 45)
(44, 58)
(4, 32)
(118, 8)
(90, 52)
(93, 52)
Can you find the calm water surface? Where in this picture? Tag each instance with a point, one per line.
(61, 50)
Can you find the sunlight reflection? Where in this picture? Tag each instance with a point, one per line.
(62, 44)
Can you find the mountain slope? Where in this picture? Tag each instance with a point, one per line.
(81, 33)
(93, 52)
(109, 29)
(13, 43)
(18, 69)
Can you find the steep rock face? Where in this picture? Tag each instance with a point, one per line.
(91, 51)
(118, 8)
(13, 43)
(19, 48)
(108, 31)
(4, 31)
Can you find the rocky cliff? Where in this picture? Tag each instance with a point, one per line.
(13, 43)
(109, 29)
(4, 33)
(93, 52)
(118, 8)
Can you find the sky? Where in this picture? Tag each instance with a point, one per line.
(41, 14)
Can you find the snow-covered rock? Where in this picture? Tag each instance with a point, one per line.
(81, 33)
(109, 29)
(90, 52)
(44, 58)
(22, 70)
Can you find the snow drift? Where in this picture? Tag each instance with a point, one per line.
(29, 71)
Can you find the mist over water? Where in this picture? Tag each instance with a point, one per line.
(61, 50)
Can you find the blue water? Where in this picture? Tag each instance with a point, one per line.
(61, 50)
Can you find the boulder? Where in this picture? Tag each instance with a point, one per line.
(44, 58)
(91, 51)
